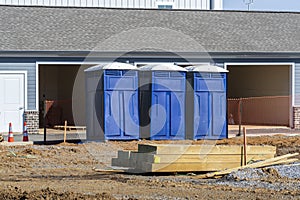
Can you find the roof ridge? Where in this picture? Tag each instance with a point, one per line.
(151, 9)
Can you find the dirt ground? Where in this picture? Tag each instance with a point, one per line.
(65, 171)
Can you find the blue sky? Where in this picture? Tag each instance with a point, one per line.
(270, 5)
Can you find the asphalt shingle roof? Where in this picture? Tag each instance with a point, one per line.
(85, 29)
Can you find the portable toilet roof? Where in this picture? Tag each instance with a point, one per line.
(162, 67)
(114, 66)
(206, 68)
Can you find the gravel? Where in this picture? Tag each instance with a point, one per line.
(290, 171)
(266, 178)
(277, 186)
(246, 174)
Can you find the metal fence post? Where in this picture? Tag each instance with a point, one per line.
(44, 115)
(240, 116)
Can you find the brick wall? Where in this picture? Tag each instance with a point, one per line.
(296, 116)
(32, 120)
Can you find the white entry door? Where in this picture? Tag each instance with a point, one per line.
(12, 101)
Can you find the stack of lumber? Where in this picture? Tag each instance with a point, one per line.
(189, 158)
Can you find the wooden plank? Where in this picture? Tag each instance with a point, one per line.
(116, 162)
(188, 167)
(124, 154)
(5, 143)
(279, 162)
(245, 145)
(65, 132)
(197, 167)
(228, 171)
(124, 159)
(133, 159)
(203, 149)
(119, 162)
(61, 127)
(188, 158)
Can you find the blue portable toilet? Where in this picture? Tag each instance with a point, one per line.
(162, 101)
(206, 107)
(112, 102)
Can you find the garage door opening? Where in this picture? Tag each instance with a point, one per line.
(55, 93)
(259, 94)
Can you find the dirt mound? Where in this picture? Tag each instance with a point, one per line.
(278, 140)
(16, 193)
(284, 144)
(66, 144)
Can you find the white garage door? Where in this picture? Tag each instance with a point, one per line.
(12, 101)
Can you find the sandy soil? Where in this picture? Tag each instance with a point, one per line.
(65, 171)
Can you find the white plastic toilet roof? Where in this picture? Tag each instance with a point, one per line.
(206, 68)
(114, 65)
(162, 67)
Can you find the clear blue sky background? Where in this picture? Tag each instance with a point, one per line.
(269, 5)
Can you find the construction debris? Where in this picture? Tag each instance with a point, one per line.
(269, 162)
(5, 143)
(189, 158)
(11, 154)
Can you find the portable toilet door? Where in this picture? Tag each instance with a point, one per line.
(115, 103)
(94, 103)
(206, 102)
(162, 101)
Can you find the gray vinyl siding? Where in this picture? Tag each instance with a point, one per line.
(31, 80)
(297, 85)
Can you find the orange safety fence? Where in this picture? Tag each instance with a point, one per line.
(267, 110)
(57, 111)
